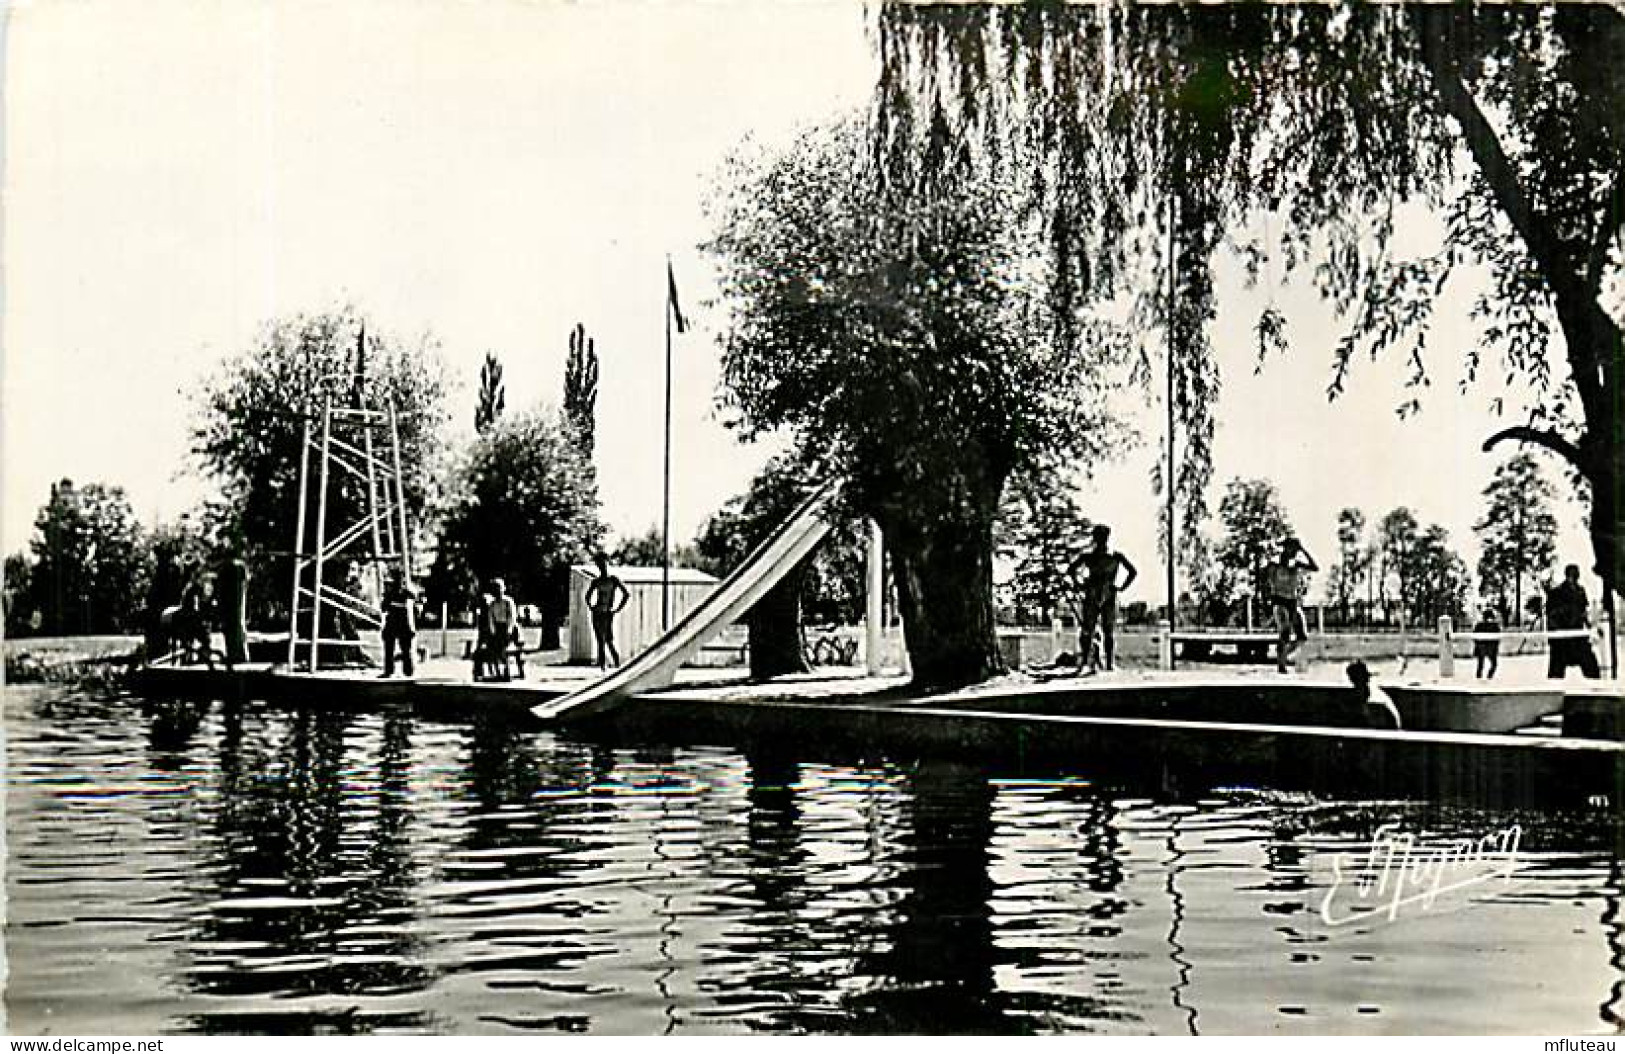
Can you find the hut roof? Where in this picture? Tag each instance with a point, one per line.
(637, 575)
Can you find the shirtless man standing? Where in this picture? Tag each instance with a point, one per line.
(606, 596)
(1100, 589)
(1285, 582)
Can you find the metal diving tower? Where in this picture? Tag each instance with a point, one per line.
(358, 448)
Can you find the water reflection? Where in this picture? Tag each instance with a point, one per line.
(775, 856)
(239, 868)
(1180, 989)
(519, 886)
(934, 969)
(312, 874)
(1613, 925)
(171, 727)
(778, 868)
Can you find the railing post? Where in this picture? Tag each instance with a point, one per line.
(1165, 645)
(1447, 652)
(1249, 614)
(1606, 625)
(298, 540)
(320, 555)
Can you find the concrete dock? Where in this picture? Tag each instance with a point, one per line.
(1190, 726)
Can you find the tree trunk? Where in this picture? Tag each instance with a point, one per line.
(555, 603)
(1607, 519)
(943, 570)
(1593, 340)
(775, 630)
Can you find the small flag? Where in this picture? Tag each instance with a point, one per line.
(671, 297)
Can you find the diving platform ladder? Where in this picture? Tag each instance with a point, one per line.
(360, 518)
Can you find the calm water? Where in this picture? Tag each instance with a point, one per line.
(251, 869)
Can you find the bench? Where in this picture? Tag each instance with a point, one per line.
(515, 652)
(722, 652)
(1197, 645)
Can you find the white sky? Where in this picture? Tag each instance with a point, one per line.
(178, 171)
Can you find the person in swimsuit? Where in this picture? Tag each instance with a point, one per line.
(1099, 607)
(1285, 581)
(606, 596)
(1371, 703)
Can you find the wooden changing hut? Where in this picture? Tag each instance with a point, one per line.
(638, 624)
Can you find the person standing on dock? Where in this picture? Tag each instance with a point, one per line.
(231, 604)
(1568, 609)
(606, 596)
(1285, 581)
(163, 591)
(482, 639)
(400, 624)
(502, 617)
(1487, 645)
(1100, 588)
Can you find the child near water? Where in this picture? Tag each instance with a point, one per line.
(482, 640)
(1487, 653)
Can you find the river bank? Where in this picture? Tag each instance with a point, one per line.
(90, 662)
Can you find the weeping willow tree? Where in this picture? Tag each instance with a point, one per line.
(1145, 141)
(910, 351)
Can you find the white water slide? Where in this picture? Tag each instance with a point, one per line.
(657, 666)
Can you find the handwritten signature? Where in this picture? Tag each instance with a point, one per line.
(1397, 872)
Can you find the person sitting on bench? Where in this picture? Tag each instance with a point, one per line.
(188, 628)
(502, 625)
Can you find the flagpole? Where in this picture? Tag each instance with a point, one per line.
(1170, 483)
(665, 505)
